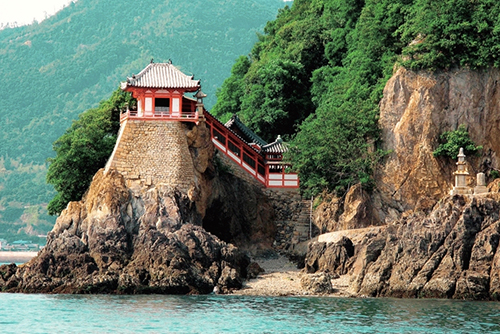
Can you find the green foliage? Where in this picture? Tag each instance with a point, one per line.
(336, 57)
(54, 70)
(318, 74)
(443, 34)
(452, 141)
(229, 96)
(84, 149)
(273, 93)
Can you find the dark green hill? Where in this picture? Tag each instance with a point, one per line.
(55, 70)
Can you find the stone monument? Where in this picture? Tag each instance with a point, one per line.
(461, 174)
(480, 187)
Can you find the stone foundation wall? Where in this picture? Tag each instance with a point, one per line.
(292, 218)
(153, 152)
(237, 170)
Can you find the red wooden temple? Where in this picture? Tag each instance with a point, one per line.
(159, 90)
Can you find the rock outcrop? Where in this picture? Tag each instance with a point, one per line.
(240, 213)
(432, 244)
(417, 107)
(450, 253)
(354, 210)
(117, 240)
(134, 233)
(415, 110)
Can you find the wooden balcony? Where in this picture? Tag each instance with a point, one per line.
(161, 116)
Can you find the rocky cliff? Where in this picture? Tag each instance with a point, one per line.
(450, 253)
(431, 244)
(415, 110)
(123, 241)
(134, 234)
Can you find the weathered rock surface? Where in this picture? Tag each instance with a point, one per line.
(318, 283)
(417, 107)
(354, 210)
(119, 241)
(240, 213)
(433, 245)
(450, 253)
(332, 257)
(131, 234)
(415, 110)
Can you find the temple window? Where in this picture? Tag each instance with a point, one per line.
(162, 105)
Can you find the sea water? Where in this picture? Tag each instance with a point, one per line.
(38, 313)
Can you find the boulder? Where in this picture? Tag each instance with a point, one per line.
(318, 283)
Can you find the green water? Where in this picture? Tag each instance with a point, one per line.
(39, 313)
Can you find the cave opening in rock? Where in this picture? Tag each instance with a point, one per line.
(217, 221)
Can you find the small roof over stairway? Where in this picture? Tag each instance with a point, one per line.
(237, 126)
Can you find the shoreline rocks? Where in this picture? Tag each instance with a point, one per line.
(452, 252)
(119, 241)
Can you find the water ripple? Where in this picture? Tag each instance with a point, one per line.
(241, 314)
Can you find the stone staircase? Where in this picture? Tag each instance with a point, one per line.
(301, 231)
(292, 219)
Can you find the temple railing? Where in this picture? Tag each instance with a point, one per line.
(178, 116)
(272, 175)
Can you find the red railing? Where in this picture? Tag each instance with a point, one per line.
(184, 116)
(247, 157)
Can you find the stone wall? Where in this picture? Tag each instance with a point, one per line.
(153, 152)
(237, 170)
(292, 218)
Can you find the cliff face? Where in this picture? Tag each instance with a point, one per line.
(134, 233)
(432, 244)
(415, 110)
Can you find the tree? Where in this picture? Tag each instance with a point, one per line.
(83, 150)
(443, 34)
(232, 91)
(277, 99)
(452, 141)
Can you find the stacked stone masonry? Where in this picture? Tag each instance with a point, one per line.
(153, 152)
(292, 218)
(292, 213)
(237, 170)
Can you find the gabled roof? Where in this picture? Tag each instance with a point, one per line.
(278, 146)
(235, 123)
(162, 76)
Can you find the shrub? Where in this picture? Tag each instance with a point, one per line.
(452, 141)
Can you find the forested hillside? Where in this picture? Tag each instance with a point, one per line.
(55, 70)
(318, 72)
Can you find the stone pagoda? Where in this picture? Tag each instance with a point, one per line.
(461, 175)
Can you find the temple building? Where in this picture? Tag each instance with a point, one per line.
(152, 146)
(159, 90)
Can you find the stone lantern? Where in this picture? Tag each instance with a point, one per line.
(199, 102)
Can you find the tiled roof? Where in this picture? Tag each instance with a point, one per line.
(162, 75)
(278, 146)
(252, 137)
